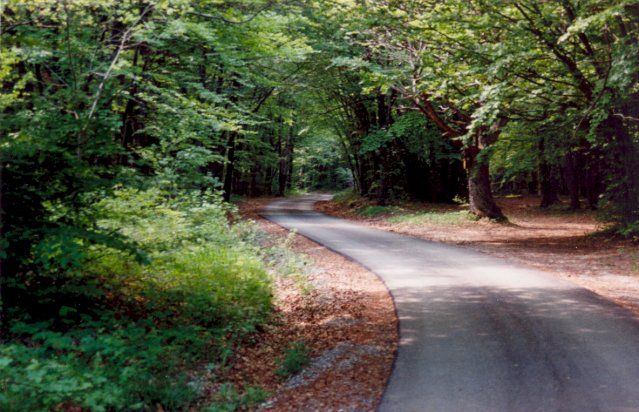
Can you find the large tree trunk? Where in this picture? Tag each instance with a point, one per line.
(480, 195)
(482, 203)
(547, 183)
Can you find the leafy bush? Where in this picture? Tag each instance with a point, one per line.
(118, 333)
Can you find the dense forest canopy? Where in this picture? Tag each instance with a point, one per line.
(116, 106)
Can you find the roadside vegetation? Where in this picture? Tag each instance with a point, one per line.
(125, 329)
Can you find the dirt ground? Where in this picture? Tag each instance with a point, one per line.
(346, 318)
(557, 241)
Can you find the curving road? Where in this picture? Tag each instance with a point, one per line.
(481, 334)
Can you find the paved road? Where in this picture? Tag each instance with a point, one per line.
(480, 334)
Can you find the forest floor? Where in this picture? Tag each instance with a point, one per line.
(344, 315)
(565, 243)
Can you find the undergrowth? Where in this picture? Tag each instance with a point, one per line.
(133, 331)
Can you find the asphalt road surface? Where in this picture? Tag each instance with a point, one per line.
(479, 333)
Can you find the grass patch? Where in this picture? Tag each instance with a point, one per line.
(440, 217)
(296, 192)
(400, 214)
(375, 210)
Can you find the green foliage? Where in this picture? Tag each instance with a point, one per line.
(117, 333)
(125, 368)
(515, 156)
(417, 134)
(318, 165)
(295, 359)
(375, 140)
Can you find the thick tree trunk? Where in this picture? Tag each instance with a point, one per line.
(482, 203)
(480, 196)
(547, 183)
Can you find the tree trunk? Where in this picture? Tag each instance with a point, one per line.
(533, 184)
(127, 127)
(626, 195)
(547, 184)
(284, 156)
(268, 176)
(572, 180)
(253, 184)
(480, 194)
(592, 183)
(289, 161)
(230, 166)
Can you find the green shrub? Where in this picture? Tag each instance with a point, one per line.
(294, 360)
(125, 368)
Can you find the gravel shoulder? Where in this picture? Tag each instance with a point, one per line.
(345, 316)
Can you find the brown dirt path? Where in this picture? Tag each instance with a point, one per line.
(347, 320)
(555, 241)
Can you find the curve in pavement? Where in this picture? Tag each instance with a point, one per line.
(478, 333)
